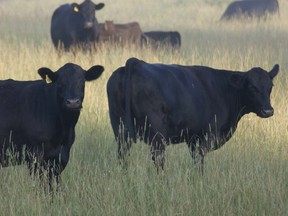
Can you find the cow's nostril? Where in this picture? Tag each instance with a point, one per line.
(73, 103)
(268, 112)
(88, 25)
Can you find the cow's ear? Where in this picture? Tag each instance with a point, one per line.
(94, 72)
(274, 71)
(75, 7)
(99, 6)
(237, 80)
(47, 75)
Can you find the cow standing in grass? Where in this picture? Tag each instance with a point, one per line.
(158, 39)
(38, 119)
(75, 25)
(251, 8)
(169, 104)
(123, 34)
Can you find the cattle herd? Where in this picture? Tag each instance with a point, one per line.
(160, 104)
(75, 25)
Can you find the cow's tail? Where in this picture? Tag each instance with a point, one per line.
(129, 120)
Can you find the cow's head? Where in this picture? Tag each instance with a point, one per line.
(257, 86)
(86, 10)
(70, 81)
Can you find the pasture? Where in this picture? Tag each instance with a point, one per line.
(247, 176)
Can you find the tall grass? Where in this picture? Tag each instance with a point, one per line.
(247, 176)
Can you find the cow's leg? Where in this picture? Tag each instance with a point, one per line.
(123, 149)
(54, 163)
(202, 154)
(192, 150)
(60, 164)
(53, 169)
(53, 174)
(121, 136)
(158, 133)
(34, 160)
(38, 168)
(124, 142)
(158, 150)
(193, 145)
(45, 171)
(10, 152)
(197, 149)
(3, 150)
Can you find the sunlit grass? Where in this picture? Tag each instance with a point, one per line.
(247, 176)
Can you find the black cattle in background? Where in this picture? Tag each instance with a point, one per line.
(75, 25)
(38, 119)
(251, 8)
(169, 104)
(158, 39)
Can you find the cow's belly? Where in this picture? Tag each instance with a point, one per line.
(33, 138)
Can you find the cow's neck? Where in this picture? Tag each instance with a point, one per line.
(69, 118)
(237, 110)
(68, 121)
(240, 108)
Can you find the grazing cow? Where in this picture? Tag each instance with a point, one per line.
(129, 33)
(38, 119)
(251, 8)
(161, 39)
(169, 104)
(75, 24)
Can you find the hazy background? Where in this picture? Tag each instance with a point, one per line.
(247, 176)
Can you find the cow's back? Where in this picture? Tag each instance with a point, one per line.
(251, 8)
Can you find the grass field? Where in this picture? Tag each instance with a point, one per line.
(247, 176)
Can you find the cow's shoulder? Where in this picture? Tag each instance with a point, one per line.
(13, 93)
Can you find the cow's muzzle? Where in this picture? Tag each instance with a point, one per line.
(88, 25)
(73, 104)
(265, 113)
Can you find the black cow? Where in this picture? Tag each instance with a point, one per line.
(37, 119)
(169, 104)
(251, 8)
(75, 24)
(162, 39)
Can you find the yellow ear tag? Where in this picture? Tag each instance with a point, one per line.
(48, 80)
(76, 9)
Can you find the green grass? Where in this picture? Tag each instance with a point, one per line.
(247, 176)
